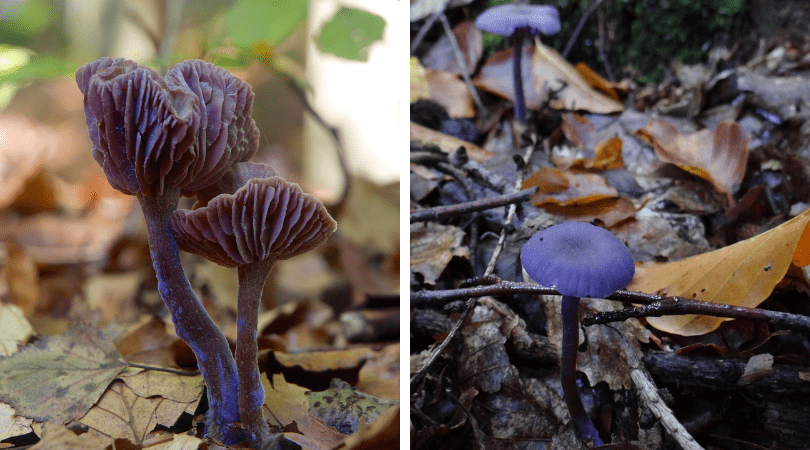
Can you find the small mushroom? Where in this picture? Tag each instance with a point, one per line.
(156, 139)
(580, 260)
(265, 220)
(517, 21)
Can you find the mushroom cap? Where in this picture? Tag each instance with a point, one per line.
(142, 130)
(233, 179)
(579, 259)
(266, 218)
(151, 134)
(505, 19)
(227, 134)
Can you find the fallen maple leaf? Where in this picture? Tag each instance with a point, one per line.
(743, 274)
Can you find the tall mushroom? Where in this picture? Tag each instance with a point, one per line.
(156, 139)
(265, 220)
(580, 260)
(517, 21)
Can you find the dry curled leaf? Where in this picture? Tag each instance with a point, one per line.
(743, 274)
(568, 189)
(448, 144)
(550, 71)
(433, 246)
(719, 156)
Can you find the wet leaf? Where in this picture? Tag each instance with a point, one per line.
(719, 156)
(59, 378)
(743, 274)
(344, 407)
(433, 246)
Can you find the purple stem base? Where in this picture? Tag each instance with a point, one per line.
(251, 393)
(568, 371)
(192, 323)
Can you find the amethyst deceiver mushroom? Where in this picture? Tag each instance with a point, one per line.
(517, 21)
(265, 220)
(580, 260)
(157, 138)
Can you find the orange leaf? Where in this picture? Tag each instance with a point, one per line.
(719, 156)
(743, 274)
(600, 84)
(568, 189)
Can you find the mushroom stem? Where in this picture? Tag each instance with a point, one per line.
(568, 370)
(251, 393)
(517, 71)
(192, 323)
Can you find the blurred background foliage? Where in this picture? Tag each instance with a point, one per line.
(640, 38)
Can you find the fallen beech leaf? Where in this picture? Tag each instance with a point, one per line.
(22, 276)
(611, 211)
(597, 82)
(171, 386)
(344, 407)
(288, 403)
(24, 148)
(743, 274)
(381, 433)
(433, 246)
(59, 437)
(496, 77)
(583, 188)
(419, 86)
(179, 442)
(442, 57)
(11, 424)
(14, 329)
(448, 144)
(59, 378)
(122, 413)
(719, 156)
(51, 239)
(449, 91)
(550, 71)
(601, 155)
(379, 375)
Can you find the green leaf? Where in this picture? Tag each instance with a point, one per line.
(262, 20)
(349, 33)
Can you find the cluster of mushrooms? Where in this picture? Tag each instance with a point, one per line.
(190, 133)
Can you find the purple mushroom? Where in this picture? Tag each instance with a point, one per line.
(158, 139)
(517, 21)
(580, 260)
(264, 220)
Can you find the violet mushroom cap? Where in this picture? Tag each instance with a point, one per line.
(579, 259)
(152, 134)
(504, 20)
(265, 218)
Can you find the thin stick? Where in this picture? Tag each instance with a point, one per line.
(482, 110)
(580, 24)
(649, 395)
(500, 287)
(441, 212)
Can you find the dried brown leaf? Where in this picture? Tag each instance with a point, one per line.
(14, 329)
(449, 91)
(448, 144)
(582, 188)
(743, 274)
(433, 246)
(719, 156)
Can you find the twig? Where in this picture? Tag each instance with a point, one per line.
(441, 212)
(465, 73)
(580, 24)
(649, 395)
(512, 208)
(337, 207)
(496, 287)
(420, 36)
